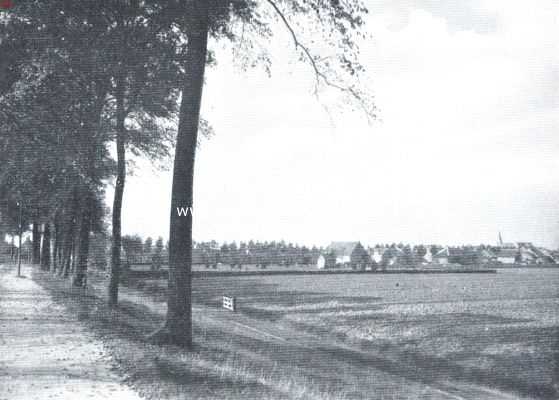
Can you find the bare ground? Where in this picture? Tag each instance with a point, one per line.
(46, 352)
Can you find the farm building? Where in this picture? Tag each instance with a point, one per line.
(443, 256)
(464, 256)
(391, 256)
(527, 255)
(546, 256)
(344, 254)
(486, 256)
(326, 260)
(507, 255)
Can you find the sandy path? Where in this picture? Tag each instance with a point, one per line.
(45, 353)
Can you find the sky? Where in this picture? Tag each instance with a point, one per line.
(465, 146)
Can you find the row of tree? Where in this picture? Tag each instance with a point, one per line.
(210, 254)
(77, 78)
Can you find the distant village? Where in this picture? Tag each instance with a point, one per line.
(356, 256)
(336, 255)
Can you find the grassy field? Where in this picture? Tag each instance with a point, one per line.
(395, 336)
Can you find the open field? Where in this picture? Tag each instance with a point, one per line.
(500, 331)
(443, 336)
(145, 271)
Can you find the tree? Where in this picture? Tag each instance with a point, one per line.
(133, 248)
(148, 246)
(407, 257)
(338, 22)
(99, 245)
(421, 252)
(360, 258)
(67, 146)
(45, 248)
(157, 259)
(129, 56)
(144, 92)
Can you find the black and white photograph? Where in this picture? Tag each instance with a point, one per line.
(279, 200)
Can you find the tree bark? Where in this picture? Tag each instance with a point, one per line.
(36, 238)
(75, 244)
(66, 253)
(56, 254)
(178, 325)
(69, 231)
(12, 248)
(118, 195)
(83, 243)
(45, 249)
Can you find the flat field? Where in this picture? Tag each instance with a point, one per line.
(457, 336)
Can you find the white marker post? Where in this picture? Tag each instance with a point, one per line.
(229, 303)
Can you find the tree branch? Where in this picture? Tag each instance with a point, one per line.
(298, 44)
(320, 75)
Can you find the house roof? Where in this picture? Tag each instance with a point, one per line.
(392, 251)
(506, 252)
(524, 251)
(463, 252)
(342, 248)
(486, 253)
(449, 251)
(509, 245)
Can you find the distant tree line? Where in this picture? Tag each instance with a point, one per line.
(209, 254)
(260, 254)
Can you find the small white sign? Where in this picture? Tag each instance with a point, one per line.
(229, 303)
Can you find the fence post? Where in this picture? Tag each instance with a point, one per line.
(229, 303)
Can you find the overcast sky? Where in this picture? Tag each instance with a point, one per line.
(466, 145)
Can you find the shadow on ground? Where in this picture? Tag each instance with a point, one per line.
(313, 361)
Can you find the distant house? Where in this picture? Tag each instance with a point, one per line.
(376, 254)
(391, 256)
(344, 254)
(466, 255)
(443, 256)
(507, 255)
(553, 255)
(509, 245)
(326, 260)
(428, 257)
(527, 254)
(486, 256)
(544, 256)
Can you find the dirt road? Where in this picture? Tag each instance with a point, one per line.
(46, 353)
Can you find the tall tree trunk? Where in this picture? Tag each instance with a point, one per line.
(83, 243)
(75, 244)
(66, 253)
(45, 249)
(56, 251)
(178, 324)
(118, 195)
(61, 237)
(12, 249)
(69, 232)
(36, 238)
